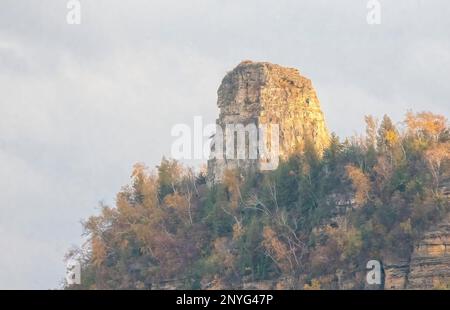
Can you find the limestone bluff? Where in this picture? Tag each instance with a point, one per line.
(263, 93)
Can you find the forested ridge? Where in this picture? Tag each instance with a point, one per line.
(317, 217)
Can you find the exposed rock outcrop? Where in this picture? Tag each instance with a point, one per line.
(429, 264)
(262, 93)
(430, 261)
(395, 275)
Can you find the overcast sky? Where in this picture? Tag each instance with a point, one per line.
(80, 104)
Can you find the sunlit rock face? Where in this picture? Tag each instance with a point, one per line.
(262, 93)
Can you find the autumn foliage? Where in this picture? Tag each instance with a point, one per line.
(312, 222)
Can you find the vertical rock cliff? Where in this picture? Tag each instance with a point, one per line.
(262, 93)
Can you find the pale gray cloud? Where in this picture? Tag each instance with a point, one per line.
(80, 104)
